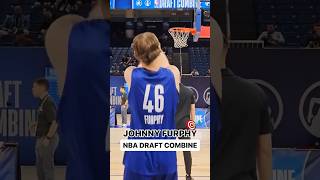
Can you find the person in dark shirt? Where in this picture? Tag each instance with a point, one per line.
(46, 131)
(185, 112)
(242, 146)
(314, 39)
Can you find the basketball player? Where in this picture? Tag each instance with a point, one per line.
(153, 91)
(185, 112)
(78, 49)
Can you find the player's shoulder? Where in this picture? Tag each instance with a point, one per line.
(129, 69)
(57, 36)
(64, 25)
(174, 70)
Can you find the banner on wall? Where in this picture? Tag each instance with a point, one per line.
(291, 81)
(202, 119)
(158, 4)
(19, 67)
(296, 164)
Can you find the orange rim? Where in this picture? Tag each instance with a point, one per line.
(182, 29)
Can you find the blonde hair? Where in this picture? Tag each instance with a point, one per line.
(146, 47)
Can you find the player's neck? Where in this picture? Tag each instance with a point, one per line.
(160, 61)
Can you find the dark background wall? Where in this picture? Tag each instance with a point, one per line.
(290, 72)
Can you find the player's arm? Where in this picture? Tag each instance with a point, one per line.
(127, 75)
(57, 42)
(51, 114)
(216, 61)
(105, 6)
(101, 10)
(264, 144)
(193, 112)
(264, 157)
(53, 129)
(177, 76)
(193, 107)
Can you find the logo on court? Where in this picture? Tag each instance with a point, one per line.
(190, 125)
(195, 93)
(275, 102)
(206, 96)
(309, 109)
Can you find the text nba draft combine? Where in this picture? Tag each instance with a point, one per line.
(141, 140)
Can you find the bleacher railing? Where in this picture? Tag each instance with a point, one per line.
(246, 44)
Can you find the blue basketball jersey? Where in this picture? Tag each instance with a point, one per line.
(153, 99)
(83, 108)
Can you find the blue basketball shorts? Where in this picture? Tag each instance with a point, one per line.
(129, 175)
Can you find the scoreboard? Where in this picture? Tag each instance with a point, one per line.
(158, 4)
(164, 4)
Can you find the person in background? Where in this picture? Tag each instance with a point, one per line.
(314, 40)
(124, 106)
(17, 25)
(271, 37)
(46, 130)
(194, 72)
(243, 145)
(208, 73)
(186, 111)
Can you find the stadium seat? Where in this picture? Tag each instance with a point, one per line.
(287, 18)
(294, 18)
(267, 18)
(293, 39)
(307, 18)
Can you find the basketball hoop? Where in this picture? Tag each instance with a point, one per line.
(180, 36)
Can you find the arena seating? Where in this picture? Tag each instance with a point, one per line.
(294, 18)
(199, 59)
(118, 53)
(36, 18)
(198, 56)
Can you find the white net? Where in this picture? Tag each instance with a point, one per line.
(180, 36)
